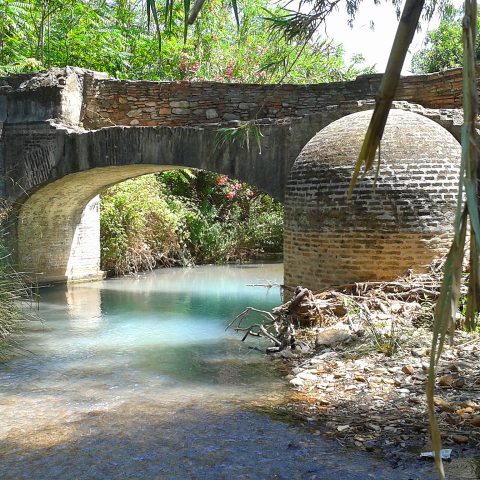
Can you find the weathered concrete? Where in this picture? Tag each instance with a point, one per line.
(68, 133)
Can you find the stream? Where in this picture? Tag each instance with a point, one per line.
(136, 378)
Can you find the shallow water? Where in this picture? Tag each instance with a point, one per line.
(136, 378)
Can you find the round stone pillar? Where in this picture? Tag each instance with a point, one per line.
(403, 223)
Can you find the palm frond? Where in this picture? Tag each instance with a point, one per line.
(241, 135)
(444, 318)
(152, 13)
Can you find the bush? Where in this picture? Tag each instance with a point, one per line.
(138, 229)
(186, 217)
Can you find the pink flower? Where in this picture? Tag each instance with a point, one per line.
(237, 186)
(231, 194)
(222, 180)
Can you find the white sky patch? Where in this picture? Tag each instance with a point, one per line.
(375, 44)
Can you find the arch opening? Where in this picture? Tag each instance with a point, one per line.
(58, 226)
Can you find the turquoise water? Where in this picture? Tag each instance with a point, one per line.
(137, 378)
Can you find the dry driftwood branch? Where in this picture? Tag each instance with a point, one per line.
(408, 298)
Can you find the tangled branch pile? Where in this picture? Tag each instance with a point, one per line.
(408, 300)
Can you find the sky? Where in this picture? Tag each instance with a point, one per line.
(375, 44)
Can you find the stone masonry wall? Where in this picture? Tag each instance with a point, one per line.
(111, 102)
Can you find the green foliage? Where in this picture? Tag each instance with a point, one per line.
(443, 47)
(116, 37)
(138, 229)
(13, 293)
(186, 217)
(240, 135)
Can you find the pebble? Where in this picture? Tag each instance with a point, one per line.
(306, 375)
(453, 367)
(475, 421)
(419, 352)
(460, 439)
(459, 383)
(446, 380)
(298, 382)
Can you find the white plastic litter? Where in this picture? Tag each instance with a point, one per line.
(444, 454)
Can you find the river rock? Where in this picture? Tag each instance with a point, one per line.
(476, 421)
(297, 382)
(460, 439)
(459, 383)
(331, 335)
(446, 381)
(419, 352)
(309, 376)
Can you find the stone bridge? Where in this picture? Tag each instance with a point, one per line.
(67, 134)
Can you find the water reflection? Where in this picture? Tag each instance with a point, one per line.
(84, 307)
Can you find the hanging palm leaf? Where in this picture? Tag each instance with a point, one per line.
(467, 211)
(152, 13)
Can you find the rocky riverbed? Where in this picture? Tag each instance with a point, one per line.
(375, 402)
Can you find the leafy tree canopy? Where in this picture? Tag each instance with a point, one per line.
(443, 46)
(118, 38)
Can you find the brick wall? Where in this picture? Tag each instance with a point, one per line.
(404, 223)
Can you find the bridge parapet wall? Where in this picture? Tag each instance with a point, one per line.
(110, 102)
(75, 96)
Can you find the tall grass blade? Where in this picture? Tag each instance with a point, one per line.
(406, 29)
(448, 299)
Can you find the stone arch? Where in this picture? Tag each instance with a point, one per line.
(57, 231)
(58, 226)
(404, 223)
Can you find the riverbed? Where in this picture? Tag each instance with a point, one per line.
(137, 378)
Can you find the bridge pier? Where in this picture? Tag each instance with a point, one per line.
(68, 250)
(403, 222)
